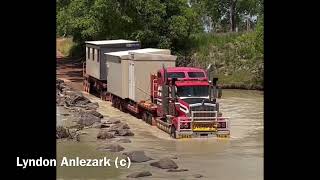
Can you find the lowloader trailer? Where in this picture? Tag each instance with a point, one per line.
(181, 101)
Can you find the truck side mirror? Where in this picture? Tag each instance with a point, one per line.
(165, 100)
(214, 81)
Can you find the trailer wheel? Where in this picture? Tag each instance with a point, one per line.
(117, 104)
(122, 108)
(88, 87)
(113, 101)
(102, 95)
(85, 86)
(173, 132)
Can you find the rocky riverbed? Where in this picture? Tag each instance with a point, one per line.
(82, 120)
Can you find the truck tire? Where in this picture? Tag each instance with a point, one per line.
(173, 132)
(149, 119)
(86, 86)
(122, 107)
(89, 88)
(118, 104)
(103, 95)
(144, 116)
(113, 101)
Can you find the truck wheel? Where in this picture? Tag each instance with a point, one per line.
(84, 85)
(173, 132)
(149, 119)
(144, 116)
(89, 88)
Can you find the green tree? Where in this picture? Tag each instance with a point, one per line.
(156, 23)
(227, 15)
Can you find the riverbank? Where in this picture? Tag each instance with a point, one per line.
(237, 59)
(242, 87)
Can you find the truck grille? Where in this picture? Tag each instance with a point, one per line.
(203, 108)
(203, 114)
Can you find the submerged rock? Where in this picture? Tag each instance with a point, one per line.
(177, 170)
(165, 163)
(60, 101)
(77, 99)
(197, 176)
(124, 141)
(105, 135)
(88, 119)
(139, 174)
(58, 81)
(112, 148)
(97, 125)
(137, 156)
(95, 113)
(91, 106)
(103, 125)
(113, 121)
(61, 132)
(172, 157)
(119, 126)
(124, 132)
(60, 85)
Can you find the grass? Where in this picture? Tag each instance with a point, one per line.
(241, 77)
(239, 80)
(65, 45)
(237, 61)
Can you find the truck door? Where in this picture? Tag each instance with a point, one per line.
(131, 81)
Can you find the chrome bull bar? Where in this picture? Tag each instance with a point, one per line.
(200, 119)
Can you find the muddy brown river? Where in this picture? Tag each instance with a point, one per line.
(240, 157)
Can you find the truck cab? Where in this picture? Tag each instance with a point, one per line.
(187, 100)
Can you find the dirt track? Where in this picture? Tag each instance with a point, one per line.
(59, 55)
(70, 71)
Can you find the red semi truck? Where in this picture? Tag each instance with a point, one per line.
(181, 101)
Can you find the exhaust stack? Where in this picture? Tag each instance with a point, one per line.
(165, 92)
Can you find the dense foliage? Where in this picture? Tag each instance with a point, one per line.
(190, 28)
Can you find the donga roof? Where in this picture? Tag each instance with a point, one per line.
(105, 42)
(125, 54)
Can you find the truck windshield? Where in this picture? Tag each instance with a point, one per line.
(192, 91)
